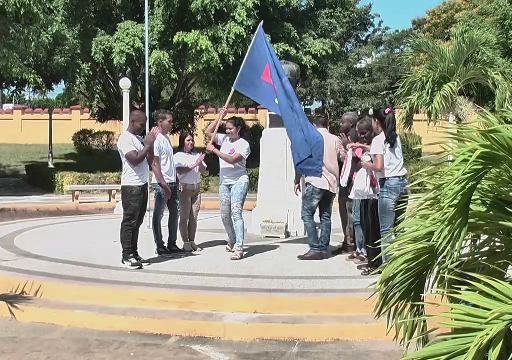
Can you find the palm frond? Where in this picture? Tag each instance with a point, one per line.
(19, 296)
(438, 74)
(461, 224)
(479, 317)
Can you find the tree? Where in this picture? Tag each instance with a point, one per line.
(452, 77)
(455, 242)
(440, 21)
(493, 16)
(366, 77)
(196, 47)
(33, 51)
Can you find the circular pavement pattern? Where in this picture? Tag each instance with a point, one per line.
(87, 249)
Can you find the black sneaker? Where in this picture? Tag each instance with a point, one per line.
(163, 252)
(131, 263)
(174, 249)
(141, 259)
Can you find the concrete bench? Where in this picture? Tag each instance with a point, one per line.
(76, 189)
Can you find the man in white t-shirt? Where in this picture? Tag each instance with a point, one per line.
(135, 154)
(165, 187)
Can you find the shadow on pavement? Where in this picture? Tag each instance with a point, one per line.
(259, 249)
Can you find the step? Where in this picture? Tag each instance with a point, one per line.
(214, 324)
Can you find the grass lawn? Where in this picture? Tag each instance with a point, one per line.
(14, 157)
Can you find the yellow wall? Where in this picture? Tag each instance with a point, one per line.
(30, 126)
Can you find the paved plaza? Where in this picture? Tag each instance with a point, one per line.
(72, 265)
(87, 249)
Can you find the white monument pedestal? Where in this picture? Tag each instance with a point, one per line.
(277, 212)
(119, 208)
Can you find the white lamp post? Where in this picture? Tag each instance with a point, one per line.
(125, 85)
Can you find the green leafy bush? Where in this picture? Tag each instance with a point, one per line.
(411, 146)
(205, 182)
(83, 141)
(104, 140)
(253, 178)
(54, 180)
(63, 178)
(40, 175)
(86, 141)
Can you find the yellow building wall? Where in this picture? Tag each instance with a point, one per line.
(20, 125)
(30, 126)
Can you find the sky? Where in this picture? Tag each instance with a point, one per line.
(397, 14)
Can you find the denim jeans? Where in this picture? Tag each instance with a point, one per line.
(313, 199)
(134, 200)
(358, 229)
(232, 199)
(158, 214)
(392, 204)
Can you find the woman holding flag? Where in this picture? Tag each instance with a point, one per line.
(234, 181)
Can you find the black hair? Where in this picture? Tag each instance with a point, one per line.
(162, 115)
(387, 120)
(350, 116)
(365, 130)
(239, 123)
(319, 121)
(183, 136)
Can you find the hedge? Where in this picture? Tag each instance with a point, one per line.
(55, 180)
(411, 146)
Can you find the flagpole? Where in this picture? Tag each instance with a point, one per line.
(232, 88)
(146, 85)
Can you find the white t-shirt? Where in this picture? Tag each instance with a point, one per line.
(164, 151)
(183, 159)
(393, 157)
(233, 173)
(132, 175)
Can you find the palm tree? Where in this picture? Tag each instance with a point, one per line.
(456, 243)
(448, 77)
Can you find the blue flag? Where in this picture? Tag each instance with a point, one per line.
(262, 79)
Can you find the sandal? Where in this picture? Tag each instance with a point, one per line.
(370, 271)
(238, 255)
(367, 271)
(360, 259)
(229, 247)
(352, 256)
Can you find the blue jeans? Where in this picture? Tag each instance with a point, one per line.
(358, 229)
(315, 198)
(392, 204)
(232, 199)
(158, 214)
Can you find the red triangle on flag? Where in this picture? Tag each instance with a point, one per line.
(266, 76)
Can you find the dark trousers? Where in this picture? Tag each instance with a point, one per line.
(371, 231)
(345, 209)
(135, 201)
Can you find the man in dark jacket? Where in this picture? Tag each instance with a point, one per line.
(348, 134)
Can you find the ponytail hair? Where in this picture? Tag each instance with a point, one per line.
(240, 124)
(387, 120)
